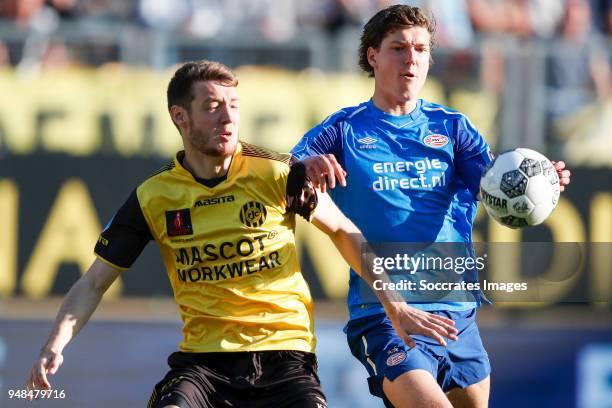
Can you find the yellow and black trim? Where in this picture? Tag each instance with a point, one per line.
(109, 263)
(216, 253)
(167, 167)
(256, 151)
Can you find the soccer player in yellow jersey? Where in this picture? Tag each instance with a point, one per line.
(223, 215)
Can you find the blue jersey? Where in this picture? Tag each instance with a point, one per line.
(411, 178)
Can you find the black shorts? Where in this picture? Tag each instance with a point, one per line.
(240, 379)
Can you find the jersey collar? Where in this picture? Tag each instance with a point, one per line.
(178, 166)
(396, 121)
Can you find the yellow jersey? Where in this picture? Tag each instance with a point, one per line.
(229, 250)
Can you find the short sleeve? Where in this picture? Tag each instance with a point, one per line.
(125, 236)
(472, 154)
(324, 138)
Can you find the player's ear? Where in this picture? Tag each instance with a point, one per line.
(372, 57)
(179, 115)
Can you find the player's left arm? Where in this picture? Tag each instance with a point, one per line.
(563, 173)
(473, 155)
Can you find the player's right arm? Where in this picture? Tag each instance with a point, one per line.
(121, 242)
(76, 309)
(320, 149)
(324, 169)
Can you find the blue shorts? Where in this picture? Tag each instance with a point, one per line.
(463, 362)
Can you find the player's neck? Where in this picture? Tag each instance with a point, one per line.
(392, 105)
(205, 166)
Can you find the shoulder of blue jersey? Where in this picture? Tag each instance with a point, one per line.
(343, 115)
(434, 109)
(431, 108)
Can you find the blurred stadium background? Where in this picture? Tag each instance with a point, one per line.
(83, 120)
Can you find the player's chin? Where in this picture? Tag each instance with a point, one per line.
(226, 148)
(408, 93)
(217, 150)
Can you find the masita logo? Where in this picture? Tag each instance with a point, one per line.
(436, 140)
(214, 201)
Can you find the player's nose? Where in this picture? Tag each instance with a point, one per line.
(410, 56)
(226, 115)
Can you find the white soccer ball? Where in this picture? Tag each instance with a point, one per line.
(520, 188)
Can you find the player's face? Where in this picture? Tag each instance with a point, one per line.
(402, 63)
(213, 120)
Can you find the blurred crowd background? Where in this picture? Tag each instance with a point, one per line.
(547, 61)
(460, 22)
(83, 121)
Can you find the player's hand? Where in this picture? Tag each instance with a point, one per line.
(408, 320)
(323, 170)
(47, 364)
(564, 175)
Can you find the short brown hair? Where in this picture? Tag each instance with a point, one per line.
(180, 88)
(386, 21)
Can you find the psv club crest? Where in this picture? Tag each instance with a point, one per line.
(253, 214)
(436, 140)
(178, 222)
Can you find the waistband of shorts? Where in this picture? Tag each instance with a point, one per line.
(224, 357)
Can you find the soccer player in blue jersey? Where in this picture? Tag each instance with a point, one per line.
(412, 170)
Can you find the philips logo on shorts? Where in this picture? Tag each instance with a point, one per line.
(396, 358)
(178, 222)
(436, 141)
